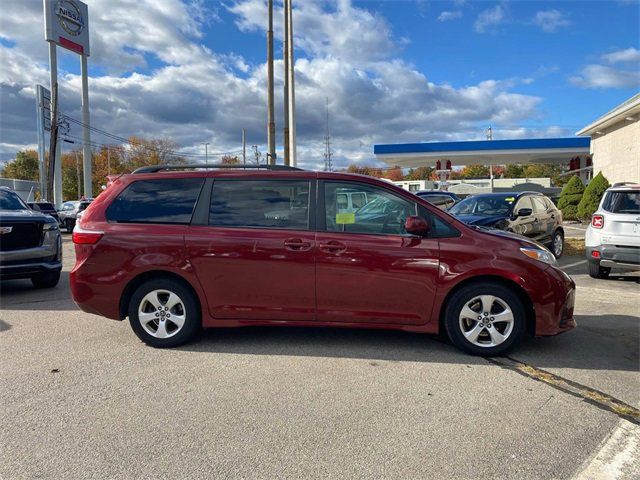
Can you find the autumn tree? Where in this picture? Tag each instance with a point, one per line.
(230, 160)
(23, 167)
(420, 173)
(475, 171)
(394, 174)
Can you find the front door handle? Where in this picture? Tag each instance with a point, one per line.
(333, 246)
(297, 245)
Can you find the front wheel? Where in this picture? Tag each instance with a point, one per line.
(164, 313)
(486, 320)
(596, 271)
(557, 244)
(46, 279)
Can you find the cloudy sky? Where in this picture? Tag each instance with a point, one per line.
(393, 71)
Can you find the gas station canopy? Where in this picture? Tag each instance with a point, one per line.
(485, 152)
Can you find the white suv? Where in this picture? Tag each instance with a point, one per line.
(612, 239)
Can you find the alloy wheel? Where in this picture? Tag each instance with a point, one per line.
(557, 245)
(161, 313)
(486, 321)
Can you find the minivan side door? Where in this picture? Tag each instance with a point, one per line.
(253, 246)
(368, 269)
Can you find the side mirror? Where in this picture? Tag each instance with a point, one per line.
(416, 226)
(524, 212)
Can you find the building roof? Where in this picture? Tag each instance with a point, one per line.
(629, 109)
(497, 152)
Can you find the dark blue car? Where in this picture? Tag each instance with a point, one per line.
(527, 213)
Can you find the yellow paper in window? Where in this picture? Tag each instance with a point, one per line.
(345, 218)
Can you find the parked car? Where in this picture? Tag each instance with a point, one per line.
(440, 198)
(69, 211)
(612, 239)
(30, 243)
(44, 207)
(526, 213)
(175, 250)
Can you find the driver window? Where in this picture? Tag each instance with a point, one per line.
(374, 210)
(524, 202)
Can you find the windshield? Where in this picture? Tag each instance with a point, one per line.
(622, 202)
(11, 201)
(484, 205)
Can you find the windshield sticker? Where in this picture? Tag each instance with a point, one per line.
(345, 218)
(510, 199)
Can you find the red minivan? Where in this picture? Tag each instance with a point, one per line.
(180, 248)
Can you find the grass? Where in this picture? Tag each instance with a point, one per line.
(574, 246)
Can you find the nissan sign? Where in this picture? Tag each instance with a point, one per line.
(66, 23)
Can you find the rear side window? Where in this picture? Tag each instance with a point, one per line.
(169, 200)
(260, 203)
(622, 202)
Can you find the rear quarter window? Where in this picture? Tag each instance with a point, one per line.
(622, 202)
(169, 200)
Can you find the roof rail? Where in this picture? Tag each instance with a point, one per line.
(622, 184)
(158, 168)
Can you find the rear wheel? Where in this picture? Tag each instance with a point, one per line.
(596, 271)
(164, 313)
(486, 320)
(557, 244)
(46, 279)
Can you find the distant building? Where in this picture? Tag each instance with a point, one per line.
(483, 185)
(615, 142)
(26, 189)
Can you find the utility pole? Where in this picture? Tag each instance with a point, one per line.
(78, 175)
(271, 126)
(244, 147)
(54, 147)
(291, 85)
(285, 49)
(327, 144)
(206, 153)
(490, 137)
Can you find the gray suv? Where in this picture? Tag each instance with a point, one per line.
(30, 242)
(69, 213)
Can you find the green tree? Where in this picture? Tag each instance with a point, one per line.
(514, 171)
(570, 198)
(592, 196)
(23, 167)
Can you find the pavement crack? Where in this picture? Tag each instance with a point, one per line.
(597, 398)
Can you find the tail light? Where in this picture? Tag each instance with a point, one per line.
(597, 221)
(86, 237)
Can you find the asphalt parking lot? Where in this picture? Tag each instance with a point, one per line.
(83, 398)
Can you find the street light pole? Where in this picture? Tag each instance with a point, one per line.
(271, 126)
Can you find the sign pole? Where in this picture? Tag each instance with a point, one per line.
(54, 177)
(86, 134)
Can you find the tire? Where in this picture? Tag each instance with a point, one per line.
(492, 337)
(153, 319)
(46, 279)
(69, 224)
(596, 271)
(557, 244)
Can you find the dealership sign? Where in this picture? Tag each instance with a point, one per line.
(67, 24)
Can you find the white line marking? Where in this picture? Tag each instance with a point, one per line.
(618, 457)
(574, 264)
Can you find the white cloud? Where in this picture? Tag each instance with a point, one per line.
(631, 55)
(550, 20)
(489, 18)
(601, 76)
(196, 94)
(446, 16)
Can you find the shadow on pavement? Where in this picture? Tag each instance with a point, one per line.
(608, 342)
(21, 295)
